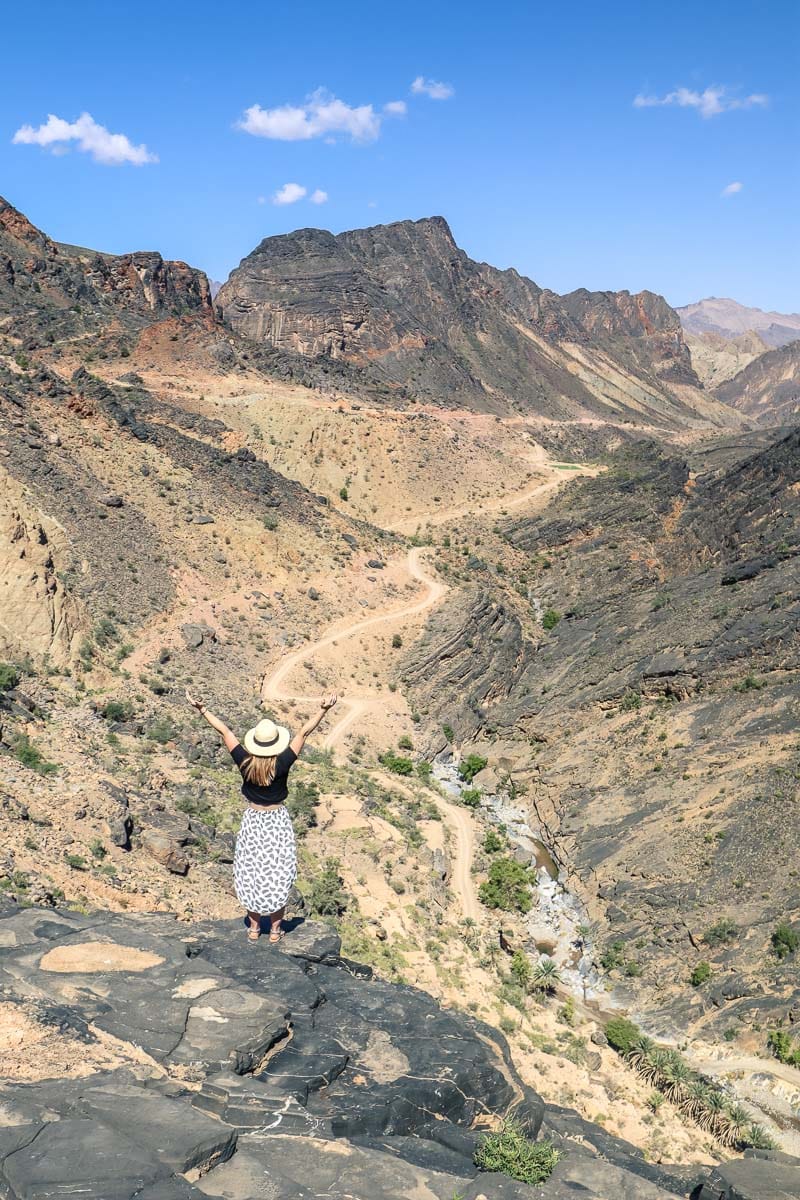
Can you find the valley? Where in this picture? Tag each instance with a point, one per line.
(549, 566)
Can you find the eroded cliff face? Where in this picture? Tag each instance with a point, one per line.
(767, 389)
(406, 301)
(38, 616)
(59, 290)
(654, 728)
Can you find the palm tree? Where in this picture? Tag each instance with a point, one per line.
(655, 1065)
(716, 1114)
(739, 1119)
(546, 976)
(640, 1050)
(694, 1102)
(677, 1074)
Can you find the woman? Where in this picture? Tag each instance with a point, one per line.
(265, 862)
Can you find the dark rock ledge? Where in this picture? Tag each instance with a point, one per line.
(282, 1072)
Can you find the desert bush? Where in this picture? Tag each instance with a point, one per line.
(521, 969)
(508, 886)
(721, 933)
(9, 677)
(785, 941)
(780, 1043)
(117, 710)
(396, 763)
(30, 756)
(326, 896)
(470, 766)
(447, 730)
(509, 1152)
(302, 805)
(700, 974)
(397, 641)
(622, 1034)
(493, 843)
(550, 619)
(470, 797)
(405, 742)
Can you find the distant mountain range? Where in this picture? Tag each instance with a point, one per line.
(729, 320)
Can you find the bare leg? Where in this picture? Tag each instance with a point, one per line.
(275, 929)
(254, 925)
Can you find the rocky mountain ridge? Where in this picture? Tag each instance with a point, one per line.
(405, 301)
(768, 389)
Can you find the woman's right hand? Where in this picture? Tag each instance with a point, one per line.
(328, 701)
(198, 704)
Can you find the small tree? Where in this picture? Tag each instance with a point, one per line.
(546, 975)
(396, 763)
(397, 641)
(471, 797)
(622, 1035)
(521, 969)
(9, 677)
(493, 843)
(508, 886)
(550, 619)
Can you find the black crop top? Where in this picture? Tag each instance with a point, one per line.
(278, 790)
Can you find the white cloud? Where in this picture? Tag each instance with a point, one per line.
(396, 108)
(432, 88)
(111, 149)
(321, 115)
(290, 193)
(731, 189)
(318, 196)
(709, 103)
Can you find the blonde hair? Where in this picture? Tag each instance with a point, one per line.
(259, 769)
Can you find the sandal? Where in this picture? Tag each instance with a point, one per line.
(253, 935)
(275, 935)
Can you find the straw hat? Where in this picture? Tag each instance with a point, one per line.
(267, 739)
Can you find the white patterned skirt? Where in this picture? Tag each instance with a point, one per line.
(265, 862)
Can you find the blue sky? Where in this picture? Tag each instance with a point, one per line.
(536, 151)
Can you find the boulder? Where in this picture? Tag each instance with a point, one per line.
(111, 500)
(760, 1175)
(118, 831)
(375, 564)
(165, 851)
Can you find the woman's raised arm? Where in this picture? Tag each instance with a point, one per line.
(299, 740)
(229, 738)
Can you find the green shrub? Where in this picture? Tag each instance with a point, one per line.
(521, 969)
(782, 1046)
(631, 701)
(117, 710)
(622, 1034)
(396, 763)
(470, 766)
(30, 756)
(785, 940)
(493, 843)
(105, 632)
(76, 861)
(722, 932)
(470, 797)
(550, 619)
(302, 805)
(161, 731)
(447, 730)
(9, 677)
(343, 493)
(701, 974)
(397, 641)
(270, 522)
(508, 886)
(405, 742)
(510, 1152)
(424, 771)
(325, 896)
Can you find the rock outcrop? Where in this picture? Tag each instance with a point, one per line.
(768, 389)
(406, 302)
(283, 1071)
(55, 290)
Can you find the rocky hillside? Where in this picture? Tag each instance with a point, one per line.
(189, 1068)
(768, 389)
(717, 358)
(406, 302)
(729, 319)
(633, 670)
(49, 291)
